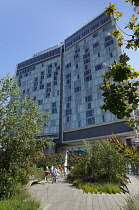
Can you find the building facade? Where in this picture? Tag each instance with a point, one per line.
(64, 80)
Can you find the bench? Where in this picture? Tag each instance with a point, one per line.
(34, 181)
(123, 186)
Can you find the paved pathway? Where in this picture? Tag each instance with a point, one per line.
(64, 196)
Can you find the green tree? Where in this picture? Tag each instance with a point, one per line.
(120, 88)
(101, 160)
(21, 122)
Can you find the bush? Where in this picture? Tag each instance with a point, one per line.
(71, 177)
(76, 182)
(21, 200)
(97, 188)
(7, 184)
(102, 162)
(91, 178)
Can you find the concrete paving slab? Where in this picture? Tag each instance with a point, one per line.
(64, 196)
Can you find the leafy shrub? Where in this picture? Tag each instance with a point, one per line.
(97, 188)
(91, 178)
(7, 184)
(76, 182)
(21, 201)
(71, 177)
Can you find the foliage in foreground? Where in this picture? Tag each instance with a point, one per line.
(111, 188)
(132, 202)
(132, 153)
(21, 122)
(102, 166)
(21, 200)
(120, 87)
(101, 160)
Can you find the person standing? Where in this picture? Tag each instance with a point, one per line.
(46, 174)
(60, 169)
(65, 170)
(54, 175)
(51, 170)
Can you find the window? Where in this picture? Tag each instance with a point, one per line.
(68, 112)
(108, 41)
(111, 55)
(47, 95)
(54, 110)
(86, 67)
(89, 105)
(55, 78)
(34, 98)
(50, 66)
(90, 121)
(68, 81)
(68, 98)
(48, 84)
(69, 86)
(55, 73)
(55, 82)
(95, 34)
(68, 76)
(77, 50)
(88, 78)
(98, 67)
(41, 86)
(23, 91)
(68, 105)
(87, 61)
(87, 72)
(95, 44)
(58, 68)
(76, 56)
(49, 71)
(35, 88)
(86, 55)
(28, 90)
(48, 75)
(48, 89)
(88, 98)
(77, 89)
(36, 79)
(68, 65)
(40, 102)
(68, 118)
(86, 50)
(76, 66)
(103, 118)
(89, 113)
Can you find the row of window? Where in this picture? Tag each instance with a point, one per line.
(39, 58)
(93, 25)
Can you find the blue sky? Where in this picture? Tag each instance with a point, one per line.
(30, 26)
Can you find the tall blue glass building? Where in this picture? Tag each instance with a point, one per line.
(64, 80)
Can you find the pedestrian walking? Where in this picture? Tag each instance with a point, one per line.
(46, 174)
(54, 175)
(65, 170)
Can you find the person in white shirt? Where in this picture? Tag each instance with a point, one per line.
(54, 175)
